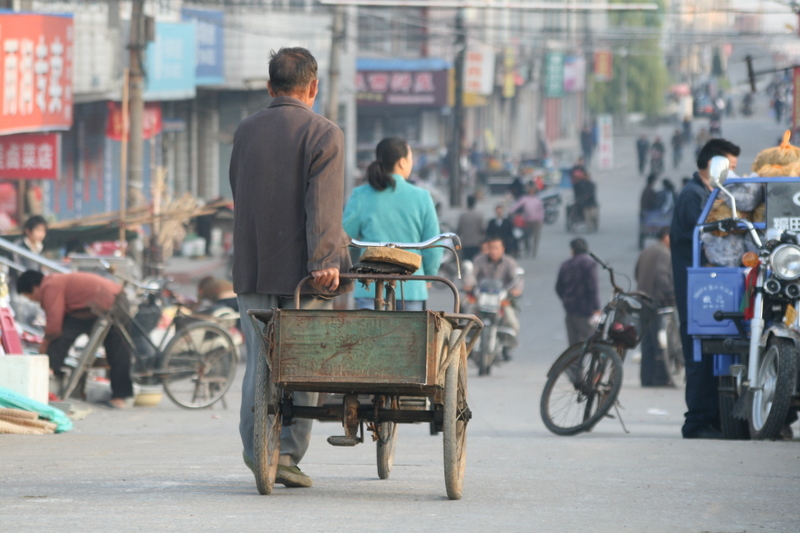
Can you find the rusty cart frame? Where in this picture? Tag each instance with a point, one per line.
(390, 367)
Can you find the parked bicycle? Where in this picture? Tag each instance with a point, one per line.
(195, 360)
(584, 382)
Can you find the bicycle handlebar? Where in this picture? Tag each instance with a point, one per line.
(610, 271)
(430, 243)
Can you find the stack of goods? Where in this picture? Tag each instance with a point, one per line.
(726, 249)
(19, 422)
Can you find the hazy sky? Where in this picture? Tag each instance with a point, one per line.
(777, 13)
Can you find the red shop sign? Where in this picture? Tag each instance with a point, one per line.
(36, 54)
(33, 156)
(151, 122)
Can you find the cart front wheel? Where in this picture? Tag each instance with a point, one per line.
(456, 416)
(267, 434)
(387, 438)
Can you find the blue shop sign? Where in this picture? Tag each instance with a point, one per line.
(171, 61)
(210, 39)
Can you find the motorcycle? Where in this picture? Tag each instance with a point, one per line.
(490, 300)
(758, 383)
(551, 198)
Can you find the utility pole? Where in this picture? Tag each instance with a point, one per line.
(335, 72)
(136, 48)
(458, 111)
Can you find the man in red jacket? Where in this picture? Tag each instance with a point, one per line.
(72, 302)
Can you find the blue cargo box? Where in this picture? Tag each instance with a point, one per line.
(713, 289)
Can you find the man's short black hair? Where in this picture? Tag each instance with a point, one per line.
(651, 178)
(29, 280)
(663, 231)
(470, 201)
(33, 222)
(291, 68)
(716, 147)
(578, 246)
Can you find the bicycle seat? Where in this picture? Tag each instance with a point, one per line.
(386, 260)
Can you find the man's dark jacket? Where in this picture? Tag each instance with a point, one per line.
(287, 177)
(688, 208)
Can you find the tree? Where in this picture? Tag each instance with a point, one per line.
(647, 78)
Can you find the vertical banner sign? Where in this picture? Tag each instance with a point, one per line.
(479, 69)
(509, 73)
(36, 55)
(210, 52)
(603, 65)
(795, 101)
(554, 75)
(605, 142)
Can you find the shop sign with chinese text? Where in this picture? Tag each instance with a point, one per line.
(783, 205)
(35, 72)
(554, 75)
(33, 156)
(209, 37)
(419, 88)
(151, 121)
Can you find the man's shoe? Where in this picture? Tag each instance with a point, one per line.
(706, 432)
(292, 476)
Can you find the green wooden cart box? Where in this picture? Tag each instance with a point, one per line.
(348, 351)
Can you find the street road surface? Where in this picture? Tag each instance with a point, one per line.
(167, 469)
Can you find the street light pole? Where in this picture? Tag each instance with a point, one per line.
(458, 111)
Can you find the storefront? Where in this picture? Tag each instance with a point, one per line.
(405, 98)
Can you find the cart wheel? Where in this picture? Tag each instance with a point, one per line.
(387, 438)
(267, 435)
(455, 425)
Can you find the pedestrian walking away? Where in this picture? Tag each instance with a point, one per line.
(471, 230)
(531, 208)
(642, 148)
(577, 288)
(702, 415)
(287, 179)
(654, 277)
(389, 209)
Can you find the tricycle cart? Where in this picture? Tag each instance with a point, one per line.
(755, 351)
(389, 367)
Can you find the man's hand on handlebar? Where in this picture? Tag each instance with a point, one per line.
(327, 278)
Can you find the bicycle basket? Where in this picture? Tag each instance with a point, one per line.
(632, 315)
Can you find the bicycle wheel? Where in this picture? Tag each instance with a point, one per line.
(454, 429)
(581, 388)
(487, 353)
(199, 364)
(672, 351)
(387, 439)
(267, 430)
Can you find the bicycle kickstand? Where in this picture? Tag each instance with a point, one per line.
(617, 407)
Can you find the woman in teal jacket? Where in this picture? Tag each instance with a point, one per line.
(389, 209)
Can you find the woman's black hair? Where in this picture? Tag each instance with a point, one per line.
(388, 152)
(31, 223)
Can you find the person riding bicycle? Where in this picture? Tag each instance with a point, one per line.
(72, 302)
(496, 265)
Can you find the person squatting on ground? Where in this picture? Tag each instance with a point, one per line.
(72, 302)
(389, 209)
(702, 415)
(287, 179)
(578, 289)
(654, 278)
(496, 265)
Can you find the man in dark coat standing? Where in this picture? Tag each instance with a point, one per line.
(654, 278)
(287, 178)
(702, 415)
(578, 289)
(642, 149)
